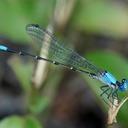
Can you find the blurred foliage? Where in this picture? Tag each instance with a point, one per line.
(101, 17)
(20, 122)
(16, 14)
(23, 72)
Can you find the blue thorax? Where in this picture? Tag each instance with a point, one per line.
(107, 78)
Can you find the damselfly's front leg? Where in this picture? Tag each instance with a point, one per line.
(104, 89)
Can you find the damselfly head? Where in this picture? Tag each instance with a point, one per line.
(123, 85)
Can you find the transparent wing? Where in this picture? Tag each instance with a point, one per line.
(58, 52)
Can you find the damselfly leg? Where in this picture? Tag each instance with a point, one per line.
(111, 94)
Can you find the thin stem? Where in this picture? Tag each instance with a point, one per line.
(114, 109)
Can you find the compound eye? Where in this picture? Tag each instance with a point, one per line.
(123, 80)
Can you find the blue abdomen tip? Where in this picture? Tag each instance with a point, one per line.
(3, 48)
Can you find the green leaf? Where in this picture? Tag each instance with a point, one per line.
(12, 122)
(110, 61)
(20, 122)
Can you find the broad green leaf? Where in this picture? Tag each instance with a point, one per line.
(109, 61)
(118, 66)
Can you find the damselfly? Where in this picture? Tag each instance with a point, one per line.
(61, 55)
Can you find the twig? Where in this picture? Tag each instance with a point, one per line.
(61, 16)
(63, 11)
(41, 69)
(114, 109)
